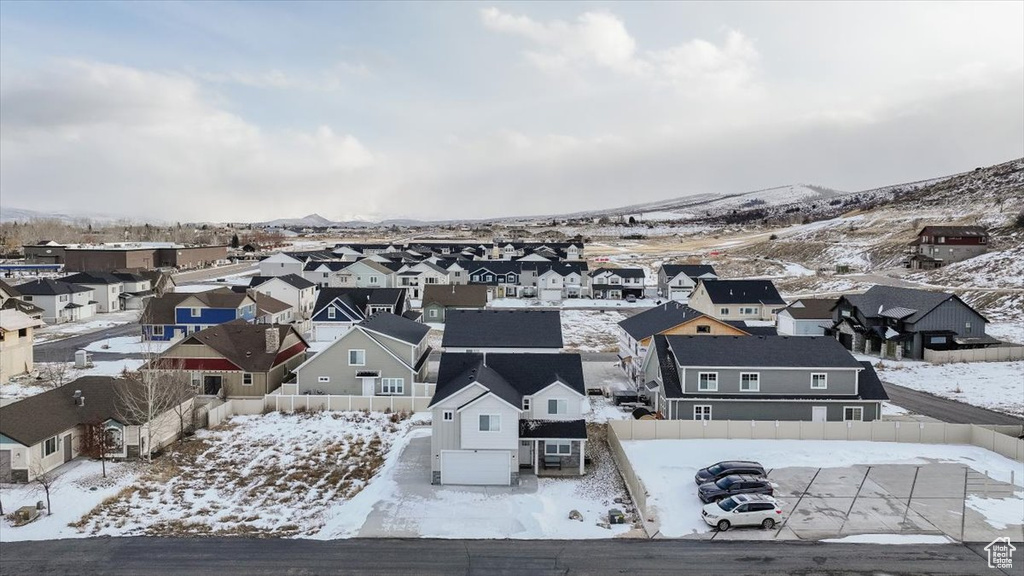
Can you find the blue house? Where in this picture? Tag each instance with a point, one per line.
(173, 316)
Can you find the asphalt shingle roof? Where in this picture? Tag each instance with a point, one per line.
(502, 329)
(761, 351)
(812, 309)
(621, 272)
(571, 429)
(965, 231)
(658, 319)
(743, 292)
(293, 280)
(692, 271)
(105, 278)
(47, 287)
(456, 295)
(879, 299)
(242, 343)
(508, 376)
(396, 327)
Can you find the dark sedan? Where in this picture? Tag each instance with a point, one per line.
(732, 485)
(727, 468)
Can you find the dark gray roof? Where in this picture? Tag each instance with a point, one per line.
(964, 231)
(743, 292)
(621, 272)
(129, 277)
(658, 319)
(396, 327)
(508, 376)
(880, 299)
(359, 298)
(502, 329)
(568, 429)
(456, 295)
(691, 270)
(49, 287)
(761, 351)
(9, 290)
(105, 278)
(754, 330)
(291, 279)
(160, 310)
(244, 345)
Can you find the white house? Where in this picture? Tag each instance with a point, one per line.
(280, 264)
(291, 289)
(60, 301)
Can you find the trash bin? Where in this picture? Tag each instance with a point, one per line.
(615, 516)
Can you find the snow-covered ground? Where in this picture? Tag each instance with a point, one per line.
(1006, 331)
(29, 385)
(891, 539)
(52, 332)
(993, 385)
(127, 345)
(667, 467)
(591, 330)
(573, 303)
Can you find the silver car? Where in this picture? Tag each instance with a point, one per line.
(743, 510)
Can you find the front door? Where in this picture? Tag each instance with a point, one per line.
(211, 385)
(819, 413)
(368, 386)
(67, 448)
(526, 454)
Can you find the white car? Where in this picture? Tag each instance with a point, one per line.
(743, 510)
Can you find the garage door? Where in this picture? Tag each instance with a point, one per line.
(483, 468)
(551, 294)
(328, 333)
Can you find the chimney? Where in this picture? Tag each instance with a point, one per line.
(79, 399)
(273, 339)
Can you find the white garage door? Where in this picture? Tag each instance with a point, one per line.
(328, 333)
(483, 468)
(551, 294)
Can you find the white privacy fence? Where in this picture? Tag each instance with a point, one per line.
(288, 399)
(994, 354)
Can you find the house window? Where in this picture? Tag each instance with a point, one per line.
(702, 412)
(854, 413)
(819, 381)
(526, 403)
(332, 313)
(158, 330)
(703, 329)
(195, 312)
(357, 357)
(937, 340)
(374, 279)
(50, 446)
(750, 382)
(748, 310)
(558, 407)
(246, 378)
(197, 381)
(707, 381)
(490, 423)
(392, 385)
(723, 311)
(557, 448)
(323, 379)
(26, 298)
(845, 313)
(967, 326)
(448, 415)
(432, 313)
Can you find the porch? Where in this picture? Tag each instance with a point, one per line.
(553, 448)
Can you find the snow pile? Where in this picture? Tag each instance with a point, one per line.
(993, 385)
(999, 512)
(891, 539)
(591, 330)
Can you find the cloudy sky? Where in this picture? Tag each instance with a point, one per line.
(223, 111)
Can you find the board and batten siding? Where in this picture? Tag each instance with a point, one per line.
(774, 381)
(470, 436)
(332, 363)
(539, 404)
(951, 315)
(790, 326)
(448, 435)
(763, 409)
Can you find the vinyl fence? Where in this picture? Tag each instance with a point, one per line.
(217, 415)
(994, 354)
(287, 399)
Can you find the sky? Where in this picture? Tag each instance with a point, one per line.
(221, 111)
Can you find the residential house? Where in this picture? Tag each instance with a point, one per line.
(366, 273)
(677, 281)
(160, 281)
(806, 317)
(106, 288)
(384, 355)
(538, 331)
(324, 274)
(904, 322)
(936, 246)
(281, 264)
(756, 300)
(760, 378)
(617, 283)
(136, 289)
(176, 315)
(496, 414)
(553, 281)
(60, 301)
(439, 298)
(636, 332)
(43, 432)
(235, 359)
(338, 309)
(291, 289)
(10, 299)
(16, 334)
(416, 277)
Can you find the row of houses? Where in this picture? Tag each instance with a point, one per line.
(85, 294)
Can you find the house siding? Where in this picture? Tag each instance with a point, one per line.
(539, 404)
(763, 409)
(448, 435)
(784, 381)
(471, 438)
(332, 362)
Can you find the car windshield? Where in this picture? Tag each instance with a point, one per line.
(728, 504)
(715, 469)
(724, 483)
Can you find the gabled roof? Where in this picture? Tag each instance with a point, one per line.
(357, 299)
(270, 305)
(455, 295)
(104, 278)
(9, 290)
(761, 351)
(502, 329)
(742, 292)
(22, 306)
(755, 329)
(692, 271)
(160, 310)
(812, 308)
(129, 277)
(620, 272)
(220, 298)
(396, 327)
(47, 287)
(243, 344)
(293, 280)
(658, 319)
(964, 231)
(907, 304)
(568, 429)
(508, 376)
(332, 266)
(11, 320)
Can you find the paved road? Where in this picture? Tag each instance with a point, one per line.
(944, 409)
(227, 557)
(64, 350)
(204, 274)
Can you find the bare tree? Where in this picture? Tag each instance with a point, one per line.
(46, 481)
(98, 442)
(145, 396)
(57, 374)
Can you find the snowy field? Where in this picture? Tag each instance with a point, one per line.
(994, 385)
(127, 345)
(591, 330)
(667, 467)
(52, 332)
(1006, 331)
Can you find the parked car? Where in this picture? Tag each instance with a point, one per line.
(743, 510)
(732, 485)
(630, 298)
(727, 468)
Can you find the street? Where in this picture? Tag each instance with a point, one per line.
(944, 409)
(239, 556)
(64, 350)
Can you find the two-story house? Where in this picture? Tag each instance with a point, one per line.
(136, 289)
(806, 317)
(235, 359)
(16, 335)
(760, 378)
(384, 355)
(617, 283)
(60, 301)
(291, 289)
(538, 331)
(325, 274)
(338, 309)
(416, 277)
(365, 273)
(281, 264)
(175, 315)
(903, 322)
(496, 416)
(936, 246)
(106, 288)
(756, 300)
(637, 332)
(553, 281)
(677, 281)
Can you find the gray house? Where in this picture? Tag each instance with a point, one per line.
(496, 416)
(903, 322)
(760, 378)
(503, 331)
(677, 281)
(383, 355)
